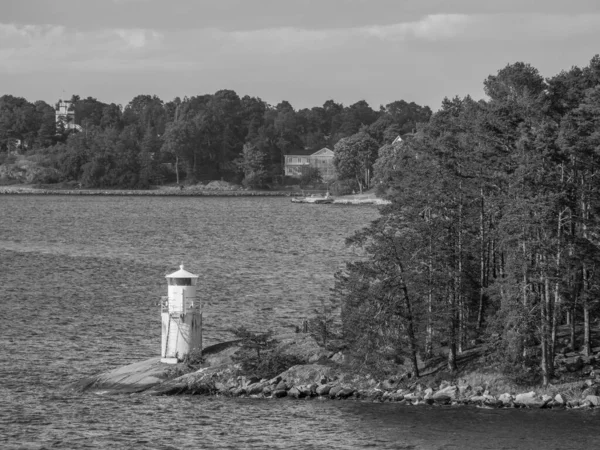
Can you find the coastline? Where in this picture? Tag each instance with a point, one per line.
(193, 191)
(324, 376)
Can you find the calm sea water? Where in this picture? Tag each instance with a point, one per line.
(80, 279)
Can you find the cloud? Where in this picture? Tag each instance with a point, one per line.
(431, 27)
(28, 48)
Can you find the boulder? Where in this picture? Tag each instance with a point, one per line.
(592, 390)
(529, 400)
(308, 374)
(333, 392)
(323, 389)
(396, 396)
(413, 396)
(279, 393)
(477, 399)
(559, 399)
(464, 389)
(345, 393)
(389, 385)
(441, 399)
(281, 386)
(267, 390)
(375, 395)
(295, 393)
(307, 390)
(506, 399)
(594, 400)
(255, 388)
(237, 392)
(450, 391)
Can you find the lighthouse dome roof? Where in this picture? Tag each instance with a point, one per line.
(181, 273)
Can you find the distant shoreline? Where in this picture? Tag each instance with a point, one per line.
(359, 199)
(144, 193)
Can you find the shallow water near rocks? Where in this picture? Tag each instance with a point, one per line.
(80, 281)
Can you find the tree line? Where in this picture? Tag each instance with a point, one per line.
(218, 136)
(493, 233)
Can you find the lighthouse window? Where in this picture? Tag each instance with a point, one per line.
(180, 281)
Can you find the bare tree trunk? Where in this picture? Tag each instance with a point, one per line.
(545, 291)
(452, 334)
(481, 263)
(177, 168)
(410, 331)
(587, 346)
(429, 334)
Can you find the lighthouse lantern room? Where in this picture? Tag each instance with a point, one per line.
(181, 318)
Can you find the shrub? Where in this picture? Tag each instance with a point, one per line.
(258, 356)
(343, 187)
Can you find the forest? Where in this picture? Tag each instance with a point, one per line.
(206, 137)
(493, 234)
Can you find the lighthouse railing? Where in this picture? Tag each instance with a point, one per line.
(190, 305)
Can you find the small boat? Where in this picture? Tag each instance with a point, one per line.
(317, 199)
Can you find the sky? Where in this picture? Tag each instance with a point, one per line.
(302, 51)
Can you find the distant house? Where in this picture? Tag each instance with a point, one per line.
(65, 115)
(398, 140)
(322, 160)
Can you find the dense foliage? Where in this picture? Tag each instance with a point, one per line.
(493, 233)
(218, 136)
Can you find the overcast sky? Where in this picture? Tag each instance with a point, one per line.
(303, 51)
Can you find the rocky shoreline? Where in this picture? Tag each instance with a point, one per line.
(323, 377)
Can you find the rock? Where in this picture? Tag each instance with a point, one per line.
(275, 381)
(546, 398)
(338, 357)
(279, 393)
(478, 390)
(323, 389)
(295, 393)
(477, 399)
(238, 391)
(344, 393)
(307, 390)
(587, 370)
(529, 400)
(464, 389)
(428, 392)
(267, 390)
(559, 399)
(334, 391)
(281, 386)
(396, 396)
(450, 390)
(308, 374)
(132, 378)
(592, 390)
(255, 388)
(506, 399)
(441, 399)
(374, 395)
(389, 385)
(594, 400)
(413, 396)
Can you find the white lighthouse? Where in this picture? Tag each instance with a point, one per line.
(181, 318)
